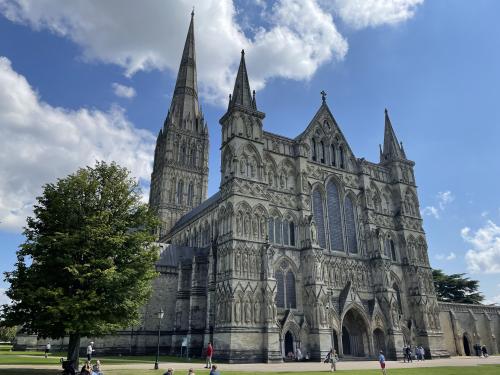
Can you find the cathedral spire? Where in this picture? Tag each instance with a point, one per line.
(185, 98)
(242, 96)
(392, 149)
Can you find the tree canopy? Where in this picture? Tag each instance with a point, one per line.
(456, 288)
(87, 263)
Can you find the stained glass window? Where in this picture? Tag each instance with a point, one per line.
(290, 290)
(280, 293)
(319, 217)
(277, 230)
(350, 224)
(334, 217)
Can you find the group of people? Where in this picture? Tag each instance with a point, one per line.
(91, 369)
(332, 358)
(481, 351)
(408, 353)
(213, 371)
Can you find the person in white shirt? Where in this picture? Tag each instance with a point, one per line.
(47, 349)
(90, 350)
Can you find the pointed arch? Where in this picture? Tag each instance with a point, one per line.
(351, 224)
(334, 216)
(319, 215)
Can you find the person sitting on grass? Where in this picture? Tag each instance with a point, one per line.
(191, 372)
(96, 369)
(86, 369)
(170, 371)
(214, 371)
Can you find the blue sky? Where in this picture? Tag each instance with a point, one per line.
(434, 65)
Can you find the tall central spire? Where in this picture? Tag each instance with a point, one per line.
(185, 99)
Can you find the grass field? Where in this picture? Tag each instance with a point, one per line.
(477, 370)
(8, 357)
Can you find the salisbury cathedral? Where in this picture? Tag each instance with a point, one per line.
(304, 245)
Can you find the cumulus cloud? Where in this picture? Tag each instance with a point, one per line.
(4, 300)
(123, 91)
(291, 38)
(444, 198)
(448, 257)
(370, 13)
(493, 301)
(484, 256)
(40, 143)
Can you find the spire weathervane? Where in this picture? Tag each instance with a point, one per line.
(323, 96)
(192, 13)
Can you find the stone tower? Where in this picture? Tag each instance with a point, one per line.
(179, 180)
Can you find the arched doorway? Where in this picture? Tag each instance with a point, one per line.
(346, 341)
(355, 340)
(379, 340)
(466, 345)
(335, 341)
(289, 344)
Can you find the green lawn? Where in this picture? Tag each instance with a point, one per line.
(8, 357)
(473, 370)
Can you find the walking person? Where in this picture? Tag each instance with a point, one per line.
(210, 352)
(332, 358)
(381, 360)
(47, 349)
(408, 354)
(404, 354)
(90, 350)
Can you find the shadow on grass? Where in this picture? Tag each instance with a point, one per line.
(25, 371)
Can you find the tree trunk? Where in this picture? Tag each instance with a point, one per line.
(74, 349)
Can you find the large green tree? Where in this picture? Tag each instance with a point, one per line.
(86, 266)
(456, 288)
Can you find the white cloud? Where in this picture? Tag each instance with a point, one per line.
(431, 211)
(444, 198)
(123, 91)
(448, 257)
(493, 301)
(296, 37)
(370, 13)
(484, 256)
(40, 143)
(4, 300)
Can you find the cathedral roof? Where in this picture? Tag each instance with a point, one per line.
(207, 204)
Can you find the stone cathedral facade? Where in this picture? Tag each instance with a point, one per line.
(304, 246)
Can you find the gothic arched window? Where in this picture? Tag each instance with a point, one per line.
(334, 217)
(271, 229)
(292, 233)
(277, 230)
(350, 225)
(286, 236)
(342, 164)
(393, 250)
(285, 280)
(280, 292)
(333, 158)
(314, 149)
(319, 217)
(323, 156)
(190, 194)
(290, 299)
(180, 187)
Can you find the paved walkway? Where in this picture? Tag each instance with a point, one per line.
(296, 366)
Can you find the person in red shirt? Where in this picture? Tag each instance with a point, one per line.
(210, 352)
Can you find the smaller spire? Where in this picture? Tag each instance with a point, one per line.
(192, 12)
(392, 149)
(241, 93)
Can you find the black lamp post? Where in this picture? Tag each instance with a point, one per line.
(159, 314)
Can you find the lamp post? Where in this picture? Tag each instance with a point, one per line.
(159, 314)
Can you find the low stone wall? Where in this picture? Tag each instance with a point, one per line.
(465, 326)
